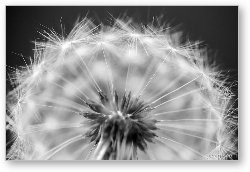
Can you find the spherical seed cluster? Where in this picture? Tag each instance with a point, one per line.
(121, 92)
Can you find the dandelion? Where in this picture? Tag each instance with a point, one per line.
(120, 92)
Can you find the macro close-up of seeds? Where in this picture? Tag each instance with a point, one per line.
(120, 90)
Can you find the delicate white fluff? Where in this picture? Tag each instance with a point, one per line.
(191, 101)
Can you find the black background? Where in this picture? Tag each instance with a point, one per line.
(217, 26)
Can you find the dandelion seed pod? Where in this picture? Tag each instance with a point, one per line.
(120, 92)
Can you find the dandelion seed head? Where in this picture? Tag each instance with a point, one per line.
(123, 91)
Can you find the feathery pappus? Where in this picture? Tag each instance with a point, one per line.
(123, 91)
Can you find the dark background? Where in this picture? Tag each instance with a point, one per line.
(217, 26)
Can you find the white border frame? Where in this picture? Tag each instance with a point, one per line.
(243, 164)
